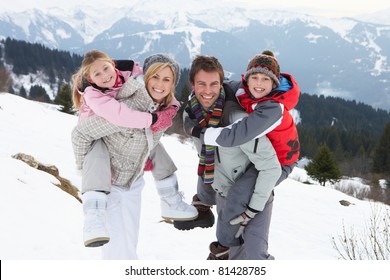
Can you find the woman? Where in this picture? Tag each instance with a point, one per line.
(128, 151)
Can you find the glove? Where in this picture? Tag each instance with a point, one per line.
(243, 220)
(191, 127)
(164, 119)
(148, 165)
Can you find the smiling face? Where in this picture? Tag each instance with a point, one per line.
(207, 87)
(102, 73)
(260, 84)
(160, 84)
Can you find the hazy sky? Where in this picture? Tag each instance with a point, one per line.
(332, 8)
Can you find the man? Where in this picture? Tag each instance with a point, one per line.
(229, 172)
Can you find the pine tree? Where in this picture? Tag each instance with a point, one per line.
(184, 94)
(64, 98)
(177, 126)
(382, 152)
(22, 92)
(323, 167)
(38, 93)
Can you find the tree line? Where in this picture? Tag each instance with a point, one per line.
(29, 58)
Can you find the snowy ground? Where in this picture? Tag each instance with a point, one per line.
(38, 221)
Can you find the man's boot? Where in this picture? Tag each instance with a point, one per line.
(218, 252)
(205, 217)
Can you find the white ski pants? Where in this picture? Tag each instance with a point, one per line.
(123, 219)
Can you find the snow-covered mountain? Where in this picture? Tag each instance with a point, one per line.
(342, 57)
(381, 17)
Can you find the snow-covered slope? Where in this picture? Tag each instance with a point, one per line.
(41, 222)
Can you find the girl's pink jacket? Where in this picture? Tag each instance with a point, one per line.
(105, 105)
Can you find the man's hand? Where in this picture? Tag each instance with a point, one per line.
(188, 125)
(243, 220)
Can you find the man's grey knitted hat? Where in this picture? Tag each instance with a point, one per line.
(164, 58)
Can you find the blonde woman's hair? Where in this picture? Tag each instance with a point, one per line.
(153, 70)
(84, 73)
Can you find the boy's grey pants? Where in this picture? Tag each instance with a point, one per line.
(254, 237)
(254, 242)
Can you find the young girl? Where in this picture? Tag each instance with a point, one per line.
(96, 86)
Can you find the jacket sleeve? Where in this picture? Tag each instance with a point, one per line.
(116, 112)
(266, 116)
(86, 132)
(266, 162)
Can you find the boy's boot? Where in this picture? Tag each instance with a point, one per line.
(172, 205)
(205, 217)
(218, 252)
(95, 230)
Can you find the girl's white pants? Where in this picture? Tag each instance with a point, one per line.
(123, 219)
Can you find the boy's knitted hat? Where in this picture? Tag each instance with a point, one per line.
(163, 58)
(264, 63)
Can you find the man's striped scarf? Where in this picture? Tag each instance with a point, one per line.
(207, 119)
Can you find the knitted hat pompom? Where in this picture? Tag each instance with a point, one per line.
(268, 52)
(265, 63)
